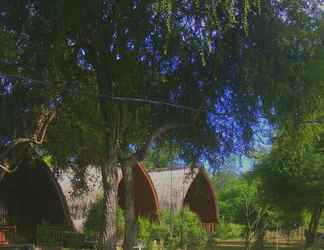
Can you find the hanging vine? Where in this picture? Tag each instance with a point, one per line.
(206, 16)
(235, 11)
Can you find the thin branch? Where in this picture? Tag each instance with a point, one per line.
(14, 144)
(7, 170)
(44, 121)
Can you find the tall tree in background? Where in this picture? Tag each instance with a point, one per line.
(292, 177)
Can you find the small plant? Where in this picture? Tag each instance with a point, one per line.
(45, 235)
(229, 231)
(150, 231)
(94, 221)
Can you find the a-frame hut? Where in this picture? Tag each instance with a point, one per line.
(177, 188)
(146, 200)
(28, 198)
(33, 196)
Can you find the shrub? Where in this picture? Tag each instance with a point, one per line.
(94, 220)
(176, 230)
(229, 231)
(45, 236)
(150, 231)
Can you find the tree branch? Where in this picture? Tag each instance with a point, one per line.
(7, 170)
(14, 144)
(156, 134)
(38, 137)
(45, 119)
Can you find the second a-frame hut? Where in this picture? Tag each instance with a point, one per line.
(177, 188)
(146, 199)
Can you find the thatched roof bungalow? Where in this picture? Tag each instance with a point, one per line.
(28, 198)
(146, 200)
(157, 190)
(33, 196)
(177, 188)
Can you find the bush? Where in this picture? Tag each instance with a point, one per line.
(150, 231)
(48, 236)
(176, 230)
(94, 221)
(229, 231)
(45, 235)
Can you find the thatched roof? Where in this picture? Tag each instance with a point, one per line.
(146, 201)
(80, 204)
(154, 191)
(177, 188)
(60, 193)
(172, 186)
(33, 196)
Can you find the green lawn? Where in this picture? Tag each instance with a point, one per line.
(232, 245)
(285, 247)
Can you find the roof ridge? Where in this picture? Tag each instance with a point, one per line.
(165, 169)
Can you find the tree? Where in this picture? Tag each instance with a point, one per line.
(93, 29)
(160, 156)
(25, 123)
(171, 53)
(241, 202)
(292, 177)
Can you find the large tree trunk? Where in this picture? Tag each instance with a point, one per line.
(128, 167)
(130, 216)
(313, 226)
(108, 239)
(109, 168)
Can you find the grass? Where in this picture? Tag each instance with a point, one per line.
(222, 247)
(239, 245)
(266, 248)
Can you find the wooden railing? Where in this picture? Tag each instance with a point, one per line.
(58, 237)
(3, 215)
(209, 227)
(7, 234)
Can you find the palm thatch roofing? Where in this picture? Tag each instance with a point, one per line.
(80, 204)
(177, 188)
